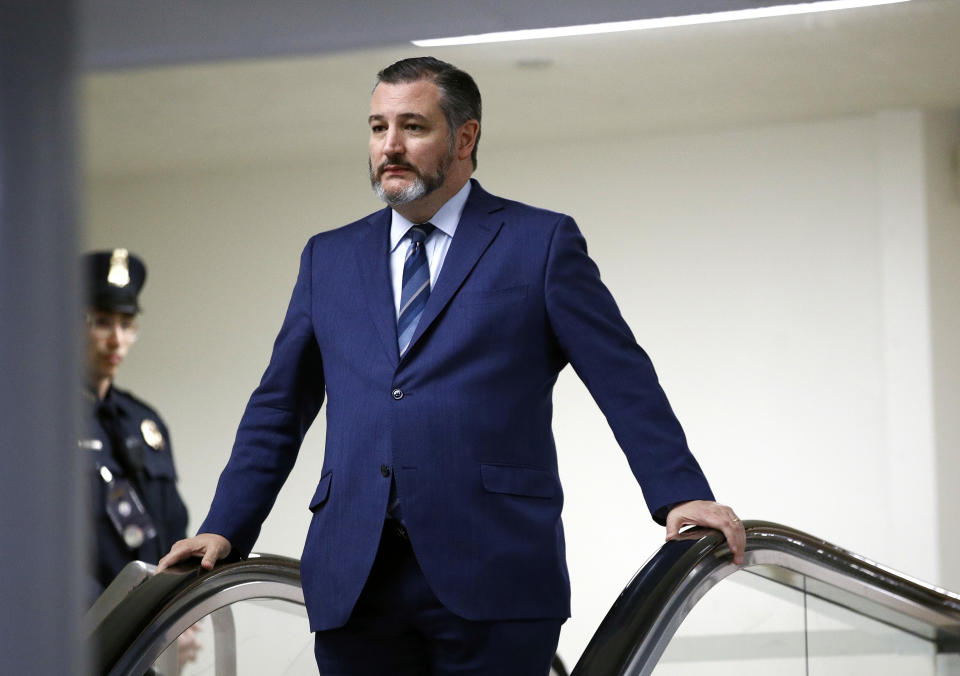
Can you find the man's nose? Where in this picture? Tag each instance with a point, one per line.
(393, 142)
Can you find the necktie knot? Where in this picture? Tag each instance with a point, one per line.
(419, 233)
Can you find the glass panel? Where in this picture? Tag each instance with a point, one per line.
(749, 624)
(842, 642)
(270, 637)
(746, 625)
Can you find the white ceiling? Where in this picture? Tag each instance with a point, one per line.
(125, 33)
(302, 108)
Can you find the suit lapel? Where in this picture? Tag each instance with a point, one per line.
(477, 228)
(373, 259)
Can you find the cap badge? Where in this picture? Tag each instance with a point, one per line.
(119, 274)
(152, 434)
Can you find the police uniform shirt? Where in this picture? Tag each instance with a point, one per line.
(129, 440)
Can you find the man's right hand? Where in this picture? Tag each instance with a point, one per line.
(210, 546)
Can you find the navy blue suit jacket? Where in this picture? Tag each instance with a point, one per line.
(463, 421)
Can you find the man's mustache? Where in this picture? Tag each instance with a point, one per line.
(395, 162)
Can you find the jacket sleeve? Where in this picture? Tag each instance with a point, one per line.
(274, 423)
(619, 375)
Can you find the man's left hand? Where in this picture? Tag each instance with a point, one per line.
(710, 515)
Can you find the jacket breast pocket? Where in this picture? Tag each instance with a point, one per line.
(515, 480)
(513, 294)
(322, 493)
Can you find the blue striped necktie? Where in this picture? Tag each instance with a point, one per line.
(416, 285)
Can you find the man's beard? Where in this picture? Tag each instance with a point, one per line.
(421, 186)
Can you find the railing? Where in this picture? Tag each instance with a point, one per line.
(135, 624)
(634, 636)
(796, 601)
(255, 609)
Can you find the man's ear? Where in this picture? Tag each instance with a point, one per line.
(466, 138)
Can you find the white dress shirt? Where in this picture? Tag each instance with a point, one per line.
(446, 220)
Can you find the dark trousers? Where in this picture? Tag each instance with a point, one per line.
(400, 628)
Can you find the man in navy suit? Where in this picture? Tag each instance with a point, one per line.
(435, 330)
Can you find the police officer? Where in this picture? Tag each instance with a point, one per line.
(137, 512)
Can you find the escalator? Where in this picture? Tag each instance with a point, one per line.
(798, 605)
(248, 613)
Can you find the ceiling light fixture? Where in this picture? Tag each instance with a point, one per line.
(646, 24)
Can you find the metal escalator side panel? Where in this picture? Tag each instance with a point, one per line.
(125, 607)
(131, 576)
(224, 642)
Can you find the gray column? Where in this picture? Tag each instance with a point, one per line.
(41, 512)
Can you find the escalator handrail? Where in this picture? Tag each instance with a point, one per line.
(642, 621)
(147, 607)
(631, 637)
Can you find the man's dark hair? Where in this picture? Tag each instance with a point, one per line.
(459, 95)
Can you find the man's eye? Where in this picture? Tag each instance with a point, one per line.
(102, 323)
(414, 127)
(377, 128)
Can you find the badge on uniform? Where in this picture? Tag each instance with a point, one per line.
(126, 511)
(152, 434)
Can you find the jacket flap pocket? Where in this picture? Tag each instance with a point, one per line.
(322, 493)
(513, 480)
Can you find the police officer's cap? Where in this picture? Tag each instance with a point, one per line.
(114, 280)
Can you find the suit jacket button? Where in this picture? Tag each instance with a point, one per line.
(384, 470)
(398, 394)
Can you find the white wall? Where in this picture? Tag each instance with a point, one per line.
(943, 204)
(753, 264)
